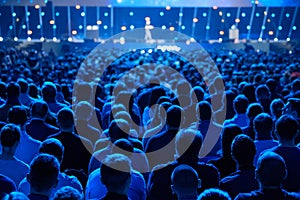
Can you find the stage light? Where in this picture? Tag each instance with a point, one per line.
(260, 39)
(80, 27)
(74, 32)
(52, 22)
(43, 14)
(273, 15)
(220, 40)
(180, 14)
(195, 20)
(290, 52)
(109, 6)
(172, 28)
(168, 7)
(221, 32)
(237, 20)
(11, 27)
(188, 42)
(57, 14)
(161, 13)
(54, 39)
(14, 14)
(29, 39)
(271, 33)
(275, 39)
(106, 14)
(263, 27)
(82, 14)
(89, 27)
(70, 39)
(220, 13)
(248, 27)
(256, 2)
(119, 1)
(142, 51)
(228, 15)
(131, 13)
(265, 13)
(215, 7)
(294, 28)
(15, 39)
(42, 39)
(204, 14)
(77, 7)
(1, 39)
(183, 27)
(23, 26)
(29, 32)
(287, 15)
(163, 27)
(243, 14)
(17, 20)
(99, 22)
(105, 27)
(288, 39)
(131, 27)
(268, 20)
(222, 20)
(54, 26)
(280, 28)
(257, 14)
(38, 26)
(150, 50)
(123, 28)
(147, 19)
(207, 27)
(28, 13)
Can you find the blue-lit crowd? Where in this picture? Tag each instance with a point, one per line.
(149, 125)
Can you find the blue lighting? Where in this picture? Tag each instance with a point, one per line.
(106, 14)
(228, 14)
(80, 27)
(38, 26)
(131, 14)
(42, 13)
(180, 14)
(183, 27)
(131, 27)
(46, 1)
(54, 26)
(294, 28)
(205, 14)
(273, 15)
(23, 26)
(14, 14)
(57, 14)
(207, 27)
(10, 27)
(248, 27)
(105, 27)
(287, 15)
(161, 13)
(263, 27)
(243, 14)
(257, 14)
(280, 28)
(28, 13)
(82, 14)
(163, 27)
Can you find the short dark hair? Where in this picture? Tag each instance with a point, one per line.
(53, 147)
(287, 127)
(39, 109)
(67, 193)
(188, 142)
(65, 117)
(229, 132)
(263, 123)
(43, 173)
(10, 134)
(214, 194)
(23, 85)
(185, 178)
(49, 90)
(276, 107)
(240, 104)
(262, 91)
(243, 150)
(254, 109)
(17, 115)
(174, 115)
(205, 110)
(296, 85)
(118, 129)
(13, 90)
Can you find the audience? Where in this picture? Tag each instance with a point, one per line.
(214, 194)
(67, 193)
(7, 185)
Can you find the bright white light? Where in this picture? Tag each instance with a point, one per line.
(207, 27)
(288, 39)
(257, 14)
(290, 52)
(183, 27)
(142, 51)
(294, 28)
(54, 39)
(29, 39)
(38, 26)
(1, 39)
(280, 28)
(15, 39)
(228, 14)
(119, 1)
(131, 27)
(276, 39)
(23, 26)
(14, 14)
(80, 27)
(42, 13)
(243, 14)
(161, 13)
(131, 14)
(70, 39)
(105, 27)
(287, 15)
(220, 40)
(260, 39)
(180, 14)
(82, 14)
(42, 39)
(150, 50)
(163, 27)
(204, 14)
(248, 27)
(106, 14)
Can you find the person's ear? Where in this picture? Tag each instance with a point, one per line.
(173, 189)
(199, 183)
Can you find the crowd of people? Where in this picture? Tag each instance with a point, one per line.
(149, 125)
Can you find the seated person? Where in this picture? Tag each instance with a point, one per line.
(185, 182)
(6, 186)
(67, 193)
(214, 194)
(270, 172)
(15, 196)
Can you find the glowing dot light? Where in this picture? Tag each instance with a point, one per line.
(105, 27)
(237, 20)
(29, 39)
(263, 27)
(168, 7)
(287, 15)
(131, 13)
(23, 26)
(294, 28)
(260, 39)
(228, 15)
(163, 27)
(123, 28)
(14, 14)
(82, 14)
(29, 32)
(288, 39)
(52, 22)
(243, 14)
(248, 27)
(80, 27)
(38, 26)
(207, 27)
(99, 22)
(57, 14)
(273, 15)
(42, 13)
(131, 27)
(15, 39)
(172, 28)
(280, 28)
(161, 13)
(204, 14)
(257, 14)
(221, 32)
(74, 32)
(195, 20)
(275, 39)
(37, 6)
(271, 33)
(220, 13)
(183, 27)
(215, 7)
(77, 7)
(106, 14)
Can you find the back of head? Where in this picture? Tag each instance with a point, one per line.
(67, 193)
(13, 90)
(271, 83)
(240, 104)
(15, 196)
(205, 110)
(49, 90)
(10, 134)
(254, 109)
(23, 85)
(229, 132)
(83, 92)
(262, 92)
(174, 116)
(263, 126)
(39, 109)
(214, 194)
(53, 147)
(17, 115)
(184, 180)
(276, 108)
(296, 85)
(271, 169)
(43, 173)
(199, 92)
(83, 111)
(118, 129)
(243, 150)
(249, 91)
(115, 172)
(188, 143)
(65, 117)
(287, 127)
(2, 90)
(122, 146)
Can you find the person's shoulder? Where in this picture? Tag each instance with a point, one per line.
(251, 195)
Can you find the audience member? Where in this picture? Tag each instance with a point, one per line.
(253, 110)
(7, 185)
(15, 196)
(214, 194)
(263, 97)
(24, 97)
(67, 193)
(49, 93)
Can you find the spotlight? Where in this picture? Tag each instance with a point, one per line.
(14, 14)
(106, 14)
(195, 20)
(54, 39)
(280, 28)
(37, 6)
(260, 39)
(23, 26)
(168, 7)
(131, 27)
(204, 14)
(257, 14)
(99, 22)
(207, 27)
(276, 39)
(271, 33)
(70, 39)
(220, 40)
(15, 39)
(294, 28)
(77, 7)
(221, 32)
(123, 28)
(287, 15)
(183, 27)
(52, 22)
(74, 32)
(288, 39)
(237, 20)
(161, 13)
(172, 28)
(243, 14)
(82, 14)
(131, 14)
(29, 39)
(29, 32)
(105, 27)
(1, 39)
(42, 39)
(180, 14)
(163, 27)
